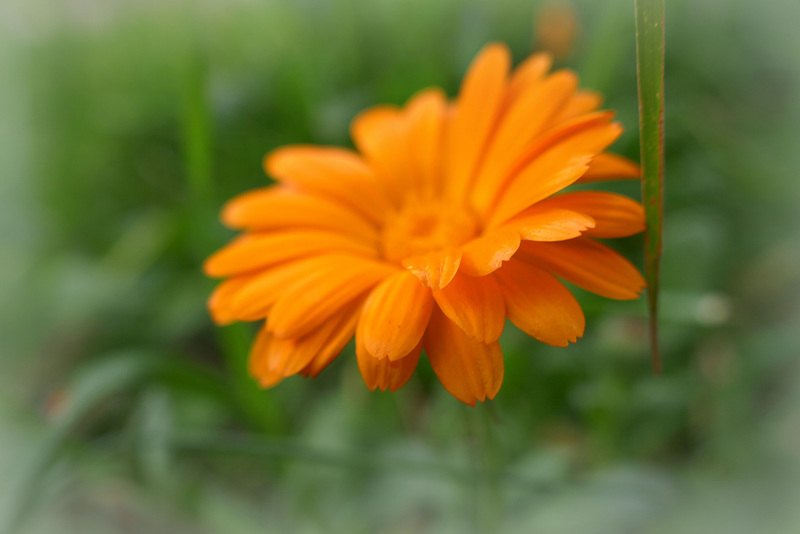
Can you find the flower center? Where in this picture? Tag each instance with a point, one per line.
(420, 228)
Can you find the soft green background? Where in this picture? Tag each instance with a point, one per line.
(124, 125)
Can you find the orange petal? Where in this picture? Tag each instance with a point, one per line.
(426, 116)
(487, 253)
(255, 299)
(528, 117)
(470, 370)
(274, 208)
(614, 215)
(381, 134)
(333, 173)
(553, 170)
(545, 223)
(310, 302)
(258, 251)
(540, 145)
(587, 264)
(342, 335)
(290, 355)
(475, 304)
(527, 76)
(257, 363)
(220, 303)
(583, 102)
(435, 269)
(608, 166)
(477, 107)
(395, 316)
(384, 373)
(539, 304)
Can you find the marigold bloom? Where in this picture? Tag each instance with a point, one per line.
(444, 223)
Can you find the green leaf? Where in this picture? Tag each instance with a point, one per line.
(650, 69)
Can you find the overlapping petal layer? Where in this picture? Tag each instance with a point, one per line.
(449, 219)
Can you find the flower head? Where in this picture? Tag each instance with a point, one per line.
(448, 219)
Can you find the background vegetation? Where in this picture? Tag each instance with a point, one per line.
(126, 124)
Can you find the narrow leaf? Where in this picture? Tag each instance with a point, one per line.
(650, 69)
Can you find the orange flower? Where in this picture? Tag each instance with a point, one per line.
(441, 225)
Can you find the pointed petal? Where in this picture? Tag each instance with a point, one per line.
(537, 147)
(614, 215)
(529, 116)
(608, 166)
(342, 334)
(539, 304)
(309, 302)
(527, 76)
(470, 370)
(381, 134)
(395, 316)
(273, 208)
(255, 299)
(426, 116)
(487, 253)
(288, 356)
(220, 303)
(258, 251)
(553, 170)
(587, 264)
(543, 223)
(384, 373)
(475, 304)
(435, 269)
(583, 102)
(477, 107)
(257, 362)
(333, 173)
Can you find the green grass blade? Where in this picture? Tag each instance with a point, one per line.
(650, 69)
(88, 390)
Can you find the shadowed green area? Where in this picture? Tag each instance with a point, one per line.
(126, 125)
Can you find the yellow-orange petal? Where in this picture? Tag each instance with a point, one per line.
(384, 373)
(435, 269)
(545, 223)
(220, 303)
(527, 76)
(426, 113)
(288, 356)
(583, 102)
(609, 166)
(334, 173)
(475, 304)
(273, 208)
(553, 170)
(342, 334)
(395, 315)
(587, 264)
(529, 116)
(255, 299)
(470, 370)
(540, 145)
(308, 303)
(257, 362)
(614, 215)
(258, 251)
(539, 304)
(478, 104)
(487, 253)
(381, 135)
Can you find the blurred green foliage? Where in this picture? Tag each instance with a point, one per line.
(126, 125)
